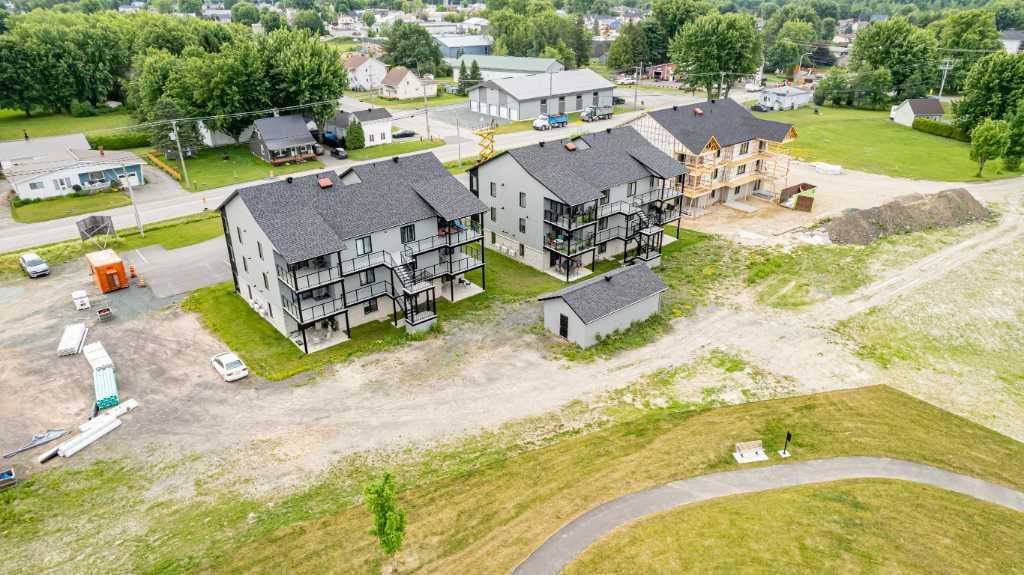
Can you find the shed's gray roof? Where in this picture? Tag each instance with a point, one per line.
(284, 132)
(341, 119)
(725, 120)
(304, 221)
(610, 292)
(543, 85)
(600, 161)
(926, 106)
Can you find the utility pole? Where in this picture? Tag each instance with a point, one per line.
(947, 64)
(131, 196)
(636, 85)
(181, 156)
(426, 112)
(458, 138)
(721, 84)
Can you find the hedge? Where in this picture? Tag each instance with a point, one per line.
(119, 140)
(940, 129)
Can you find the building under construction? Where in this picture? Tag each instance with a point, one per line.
(730, 154)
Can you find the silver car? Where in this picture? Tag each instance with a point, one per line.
(34, 265)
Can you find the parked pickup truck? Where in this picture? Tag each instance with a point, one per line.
(546, 122)
(595, 113)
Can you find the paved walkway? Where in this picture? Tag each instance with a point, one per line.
(570, 541)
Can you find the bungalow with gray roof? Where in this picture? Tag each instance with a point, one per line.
(376, 124)
(315, 255)
(282, 139)
(560, 206)
(591, 310)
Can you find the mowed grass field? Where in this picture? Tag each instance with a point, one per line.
(12, 122)
(484, 511)
(209, 169)
(859, 526)
(68, 206)
(868, 141)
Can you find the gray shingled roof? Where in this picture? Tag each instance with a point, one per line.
(725, 120)
(304, 221)
(601, 160)
(341, 118)
(282, 132)
(610, 292)
(926, 106)
(535, 86)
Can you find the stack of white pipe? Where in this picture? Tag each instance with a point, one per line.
(95, 428)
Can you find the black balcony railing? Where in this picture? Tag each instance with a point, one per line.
(368, 292)
(570, 222)
(569, 247)
(448, 236)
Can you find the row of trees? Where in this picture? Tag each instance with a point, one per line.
(49, 60)
(534, 28)
(282, 69)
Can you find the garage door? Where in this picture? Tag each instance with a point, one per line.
(503, 112)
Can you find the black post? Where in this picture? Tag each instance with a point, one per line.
(305, 346)
(483, 264)
(394, 312)
(789, 436)
(348, 328)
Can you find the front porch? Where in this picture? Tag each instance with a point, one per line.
(458, 290)
(321, 334)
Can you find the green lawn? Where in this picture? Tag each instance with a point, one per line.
(65, 206)
(210, 170)
(344, 44)
(600, 68)
(171, 234)
(271, 355)
(862, 526)
(868, 141)
(393, 149)
(441, 99)
(12, 122)
(484, 509)
(456, 167)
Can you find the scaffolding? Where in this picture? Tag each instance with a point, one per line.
(486, 142)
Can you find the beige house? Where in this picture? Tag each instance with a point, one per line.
(401, 83)
(730, 154)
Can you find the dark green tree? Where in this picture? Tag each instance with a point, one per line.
(161, 135)
(463, 78)
(388, 520)
(354, 137)
(717, 50)
(908, 52)
(245, 13)
(271, 20)
(993, 89)
(989, 141)
(971, 33)
(1015, 151)
(410, 45)
(629, 49)
(310, 21)
(672, 15)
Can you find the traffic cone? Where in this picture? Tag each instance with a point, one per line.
(131, 271)
(142, 281)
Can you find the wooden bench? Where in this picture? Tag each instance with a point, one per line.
(749, 452)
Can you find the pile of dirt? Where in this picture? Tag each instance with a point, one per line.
(911, 213)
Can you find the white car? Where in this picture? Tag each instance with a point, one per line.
(625, 81)
(229, 366)
(33, 265)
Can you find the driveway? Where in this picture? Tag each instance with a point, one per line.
(174, 272)
(570, 541)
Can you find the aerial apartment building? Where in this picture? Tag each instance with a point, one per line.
(561, 206)
(729, 153)
(316, 255)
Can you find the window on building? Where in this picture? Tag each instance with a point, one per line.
(249, 287)
(631, 189)
(494, 214)
(602, 248)
(522, 250)
(270, 309)
(494, 238)
(62, 183)
(741, 169)
(408, 233)
(238, 229)
(366, 277)
(522, 225)
(593, 99)
(259, 249)
(364, 246)
(744, 147)
(544, 106)
(605, 197)
(371, 138)
(36, 185)
(383, 137)
(370, 307)
(561, 104)
(522, 199)
(602, 224)
(736, 191)
(494, 190)
(245, 264)
(266, 281)
(757, 185)
(579, 101)
(762, 146)
(474, 183)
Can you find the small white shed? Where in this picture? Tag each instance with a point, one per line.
(784, 98)
(904, 113)
(585, 312)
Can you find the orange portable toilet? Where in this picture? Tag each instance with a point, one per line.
(108, 269)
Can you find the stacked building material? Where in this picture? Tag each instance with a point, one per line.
(72, 339)
(97, 356)
(105, 383)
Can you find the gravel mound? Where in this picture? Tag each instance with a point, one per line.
(910, 213)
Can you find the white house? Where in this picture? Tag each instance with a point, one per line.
(590, 310)
(71, 171)
(365, 72)
(401, 83)
(928, 108)
(31, 149)
(1013, 40)
(376, 124)
(784, 98)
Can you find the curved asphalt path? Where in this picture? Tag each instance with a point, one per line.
(570, 541)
